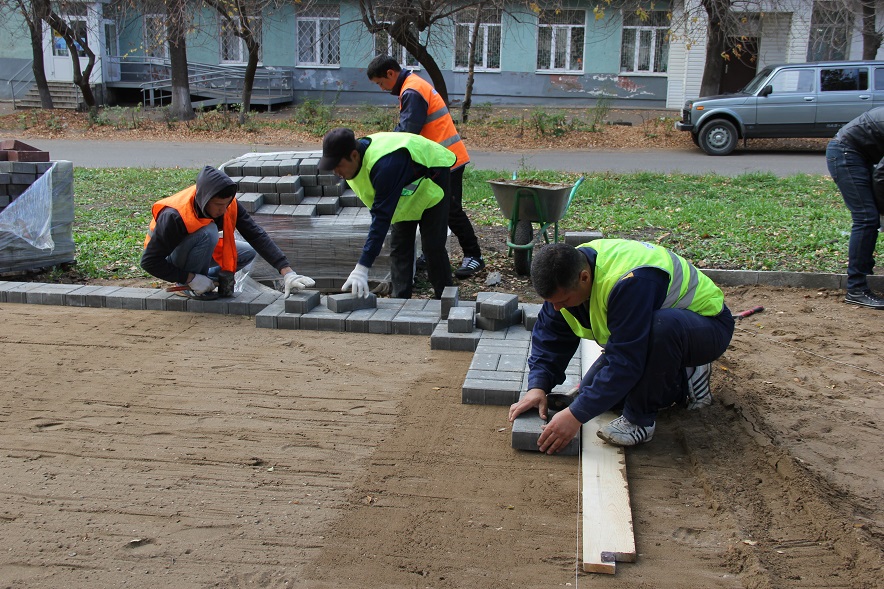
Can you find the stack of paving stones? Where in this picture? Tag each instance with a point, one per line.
(316, 219)
(20, 167)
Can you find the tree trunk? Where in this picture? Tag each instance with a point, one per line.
(35, 27)
(248, 82)
(717, 12)
(181, 107)
(400, 33)
(871, 36)
(468, 92)
(83, 76)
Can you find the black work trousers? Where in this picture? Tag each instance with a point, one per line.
(434, 231)
(457, 218)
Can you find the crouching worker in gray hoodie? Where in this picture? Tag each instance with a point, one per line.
(191, 240)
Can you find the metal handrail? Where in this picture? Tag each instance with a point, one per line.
(28, 65)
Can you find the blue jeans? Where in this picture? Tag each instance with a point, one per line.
(679, 338)
(853, 176)
(194, 253)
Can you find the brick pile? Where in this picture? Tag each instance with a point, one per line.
(22, 208)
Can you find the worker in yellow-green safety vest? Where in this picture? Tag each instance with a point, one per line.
(403, 179)
(660, 321)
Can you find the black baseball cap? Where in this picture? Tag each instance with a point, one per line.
(336, 145)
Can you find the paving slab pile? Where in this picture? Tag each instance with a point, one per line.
(315, 218)
(36, 209)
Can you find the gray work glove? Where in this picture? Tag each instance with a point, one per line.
(358, 281)
(201, 284)
(294, 282)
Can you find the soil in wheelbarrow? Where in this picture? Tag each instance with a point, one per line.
(532, 183)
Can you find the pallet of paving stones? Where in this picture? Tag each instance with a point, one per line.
(23, 247)
(316, 219)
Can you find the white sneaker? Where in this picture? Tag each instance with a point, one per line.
(699, 393)
(621, 432)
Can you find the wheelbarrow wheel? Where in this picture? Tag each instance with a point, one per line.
(522, 257)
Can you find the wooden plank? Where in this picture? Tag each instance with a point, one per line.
(607, 516)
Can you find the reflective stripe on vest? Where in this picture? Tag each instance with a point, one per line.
(439, 126)
(688, 287)
(183, 202)
(417, 196)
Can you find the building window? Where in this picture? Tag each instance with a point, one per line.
(645, 44)
(75, 16)
(155, 45)
(560, 37)
(384, 44)
(233, 48)
(319, 35)
(830, 24)
(487, 49)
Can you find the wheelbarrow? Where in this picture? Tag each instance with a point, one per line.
(524, 202)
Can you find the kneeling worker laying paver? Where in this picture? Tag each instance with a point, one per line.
(191, 240)
(660, 321)
(403, 179)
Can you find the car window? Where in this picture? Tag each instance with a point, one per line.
(879, 78)
(844, 78)
(793, 80)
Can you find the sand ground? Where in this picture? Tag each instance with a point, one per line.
(149, 449)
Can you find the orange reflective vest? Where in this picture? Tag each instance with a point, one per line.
(439, 126)
(183, 202)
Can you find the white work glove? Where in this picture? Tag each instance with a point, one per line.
(201, 284)
(294, 282)
(358, 281)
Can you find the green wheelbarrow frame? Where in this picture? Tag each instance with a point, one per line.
(532, 195)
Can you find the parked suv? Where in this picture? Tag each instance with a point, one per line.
(793, 100)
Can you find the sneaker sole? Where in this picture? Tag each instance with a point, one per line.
(866, 305)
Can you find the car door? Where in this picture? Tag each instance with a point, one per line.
(844, 95)
(789, 110)
(878, 85)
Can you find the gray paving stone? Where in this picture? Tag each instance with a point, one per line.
(218, 306)
(158, 301)
(489, 392)
(268, 316)
(18, 294)
(500, 306)
(127, 298)
(262, 301)
(289, 184)
(272, 198)
(328, 205)
(347, 302)
(455, 342)
(481, 296)
(518, 333)
(450, 298)
(322, 319)
(512, 362)
(291, 198)
(357, 321)
(414, 324)
(382, 320)
(267, 185)
(239, 305)
(288, 321)
(309, 166)
(527, 428)
(98, 298)
(461, 320)
(489, 324)
(483, 361)
(577, 238)
(302, 302)
(6, 285)
(251, 201)
(530, 311)
(498, 375)
(487, 346)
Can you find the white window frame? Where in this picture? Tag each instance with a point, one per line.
(464, 30)
(149, 44)
(654, 34)
(395, 50)
(326, 48)
(237, 43)
(557, 31)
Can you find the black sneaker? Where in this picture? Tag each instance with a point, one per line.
(864, 298)
(469, 266)
(420, 263)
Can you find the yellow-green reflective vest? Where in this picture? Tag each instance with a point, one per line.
(617, 258)
(416, 197)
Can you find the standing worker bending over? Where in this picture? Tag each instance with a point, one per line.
(851, 157)
(660, 321)
(423, 112)
(403, 180)
(191, 239)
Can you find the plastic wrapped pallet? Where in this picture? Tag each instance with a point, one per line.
(36, 226)
(320, 230)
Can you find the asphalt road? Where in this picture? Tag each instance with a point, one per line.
(158, 154)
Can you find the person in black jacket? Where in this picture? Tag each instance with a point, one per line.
(191, 238)
(851, 157)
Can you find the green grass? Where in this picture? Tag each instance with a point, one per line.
(752, 222)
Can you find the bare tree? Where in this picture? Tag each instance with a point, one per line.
(471, 67)
(177, 19)
(28, 11)
(242, 18)
(77, 42)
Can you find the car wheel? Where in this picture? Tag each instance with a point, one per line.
(718, 137)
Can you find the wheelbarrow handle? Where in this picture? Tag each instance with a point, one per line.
(574, 191)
